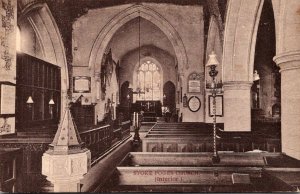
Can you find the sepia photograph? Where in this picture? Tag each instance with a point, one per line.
(149, 96)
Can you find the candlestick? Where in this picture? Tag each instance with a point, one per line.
(137, 119)
(133, 122)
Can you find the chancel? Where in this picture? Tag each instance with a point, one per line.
(149, 96)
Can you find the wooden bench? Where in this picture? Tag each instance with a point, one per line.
(176, 143)
(142, 168)
(197, 137)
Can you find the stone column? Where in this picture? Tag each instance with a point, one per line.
(289, 64)
(237, 106)
(98, 85)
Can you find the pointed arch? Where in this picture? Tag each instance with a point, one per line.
(123, 17)
(40, 18)
(238, 50)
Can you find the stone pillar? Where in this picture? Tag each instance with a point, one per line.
(237, 106)
(289, 64)
(98, 85)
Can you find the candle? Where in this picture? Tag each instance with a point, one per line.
(213, 85)
(137, 119)
(133, 122)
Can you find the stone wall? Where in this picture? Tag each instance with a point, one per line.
(8, 25)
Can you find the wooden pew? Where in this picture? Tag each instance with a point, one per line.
(188, 143)
(197, 137)
(143, 175)
(196, 159)
(142, 168)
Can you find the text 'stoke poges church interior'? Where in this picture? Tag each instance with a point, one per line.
(150, 96)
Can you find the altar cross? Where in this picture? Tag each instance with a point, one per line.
(148, 104)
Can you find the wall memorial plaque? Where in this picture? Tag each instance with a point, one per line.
(194, 103)
(7, 97)
(219, 105)
(82, 84)
(194, 83)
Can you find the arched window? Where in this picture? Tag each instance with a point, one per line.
(149, 81)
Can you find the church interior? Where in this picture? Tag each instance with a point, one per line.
(149, 96)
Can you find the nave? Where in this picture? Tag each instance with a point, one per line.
(177, 167)
(93, 90)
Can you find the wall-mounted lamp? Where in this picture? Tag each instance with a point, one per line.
(29, 102)
(165, 97)
(51, 102)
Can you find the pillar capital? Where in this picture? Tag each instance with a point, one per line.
(237, 85)
(237, 100)
(288, 60)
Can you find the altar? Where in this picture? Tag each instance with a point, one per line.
(148, 106)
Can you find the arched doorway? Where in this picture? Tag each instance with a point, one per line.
(125, 101)
(169, 100)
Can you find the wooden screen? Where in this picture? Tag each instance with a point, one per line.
(40, 80)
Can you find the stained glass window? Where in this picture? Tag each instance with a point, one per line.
(149, 81)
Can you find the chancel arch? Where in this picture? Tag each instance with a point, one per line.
(125, 16)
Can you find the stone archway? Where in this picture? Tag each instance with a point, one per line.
(123, 17)
(52, 48)
(238, 62)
